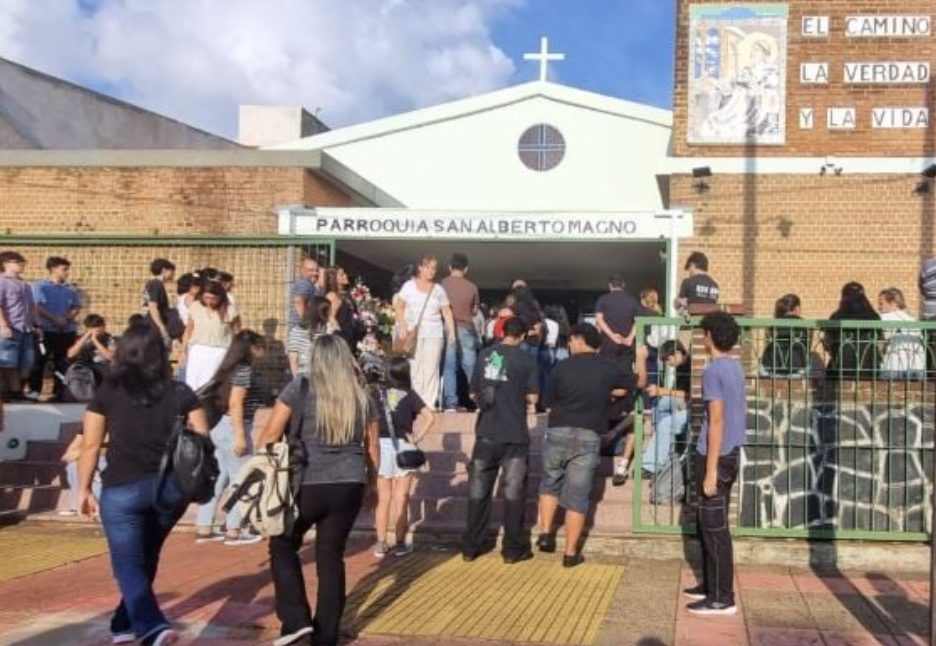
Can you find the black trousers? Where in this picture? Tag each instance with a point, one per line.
(717, 553)
(332, 508)
(487, 459)
(56, 346)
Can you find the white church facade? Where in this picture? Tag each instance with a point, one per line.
(504, 177)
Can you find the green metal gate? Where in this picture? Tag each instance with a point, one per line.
(840, 430)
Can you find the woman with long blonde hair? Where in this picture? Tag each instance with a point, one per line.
(339, 454)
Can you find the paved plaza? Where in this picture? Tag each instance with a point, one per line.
(56, 588)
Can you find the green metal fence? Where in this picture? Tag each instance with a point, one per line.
(840, 429)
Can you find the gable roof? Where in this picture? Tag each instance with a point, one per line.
(654, 117)
(39, 111)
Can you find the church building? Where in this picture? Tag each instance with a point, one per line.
(798, 156)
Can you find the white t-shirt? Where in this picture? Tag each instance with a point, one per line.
(905, 349)
(552, 333)
(431, 326)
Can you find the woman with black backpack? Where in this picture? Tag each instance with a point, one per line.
(237, 389)
(336, 448)
(137, 407)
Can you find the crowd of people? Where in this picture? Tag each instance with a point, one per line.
(357, 413)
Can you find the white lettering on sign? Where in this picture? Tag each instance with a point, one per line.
(807, 117)
(814, 73)
(815, 26)
(900, 118)
(887, 26)
(887, 73)
(842, 119)
(376, 223)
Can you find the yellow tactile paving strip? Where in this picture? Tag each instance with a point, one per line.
(26, 551)
(439, 595)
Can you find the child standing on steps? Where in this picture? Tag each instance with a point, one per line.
(400, 412)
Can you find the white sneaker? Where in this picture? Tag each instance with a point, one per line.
(243, 539)
(166, 637)
(381, 550)
(213, 537)
(292, 638)
(403, 549)
(67, 512)
(32, 395)
(123, 638)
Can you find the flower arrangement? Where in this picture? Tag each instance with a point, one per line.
(373, 314)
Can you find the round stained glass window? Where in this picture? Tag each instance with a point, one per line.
(541, 147)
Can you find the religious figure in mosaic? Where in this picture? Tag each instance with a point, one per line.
(737, 75)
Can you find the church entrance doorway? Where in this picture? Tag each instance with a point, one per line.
(571, 274)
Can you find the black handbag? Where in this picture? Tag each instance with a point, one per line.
(411, 459)
(191, 457)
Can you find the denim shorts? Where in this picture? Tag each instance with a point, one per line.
(570, 460)
(388, 465)
(18, 352)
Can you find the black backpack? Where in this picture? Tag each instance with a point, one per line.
(80, 382)
(191, 457)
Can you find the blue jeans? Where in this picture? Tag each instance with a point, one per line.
(229, 464)
(669, 418)
(465, 353)
(136, 524)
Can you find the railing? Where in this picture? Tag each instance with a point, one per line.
(839, 438)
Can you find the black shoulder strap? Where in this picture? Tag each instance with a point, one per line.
(388, 415)
(295, 420)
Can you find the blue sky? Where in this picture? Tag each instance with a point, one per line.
(356, 60)
(622, 48)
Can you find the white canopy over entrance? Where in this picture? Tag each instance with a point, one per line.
(557, 251)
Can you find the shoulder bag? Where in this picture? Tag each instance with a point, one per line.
(266, 489)
(191, 457)
(405, 346)
(409, 460)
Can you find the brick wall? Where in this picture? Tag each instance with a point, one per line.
(155, 201)
(769, 235)
(835, 49)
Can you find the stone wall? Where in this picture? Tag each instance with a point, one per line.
(846, 466)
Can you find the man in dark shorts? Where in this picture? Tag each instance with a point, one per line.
(699, 288)
(578, 395)
(723, 433)
(505, 384)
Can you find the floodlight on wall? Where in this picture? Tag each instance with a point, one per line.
(830, 167)
(700, 174)
(924, 186)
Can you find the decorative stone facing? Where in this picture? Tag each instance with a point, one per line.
(841, 467)
(828, 43)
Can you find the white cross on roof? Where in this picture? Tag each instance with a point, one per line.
(543, 56)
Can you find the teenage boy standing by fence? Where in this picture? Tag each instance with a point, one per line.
(723, 431)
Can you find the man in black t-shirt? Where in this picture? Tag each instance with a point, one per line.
(578, 395)
(614, 317)
(699, 288)
(505, 385)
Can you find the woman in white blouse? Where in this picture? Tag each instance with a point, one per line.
(422, 305)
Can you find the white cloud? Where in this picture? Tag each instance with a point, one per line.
(196, 60)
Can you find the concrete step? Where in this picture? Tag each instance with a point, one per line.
(30, 498)
(45, 450)
(26, 472)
